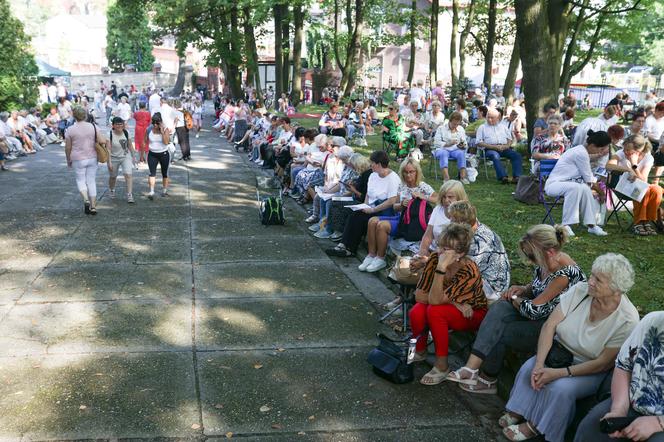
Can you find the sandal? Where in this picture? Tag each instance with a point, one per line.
(341, 252)
(650, 229)
(419, 357)
(640, 230)
(434, 377)
(482, 386)
(508, 419)
(456, 376)
(518, 434)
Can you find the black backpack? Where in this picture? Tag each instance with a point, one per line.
(272, 211)
(414, 220)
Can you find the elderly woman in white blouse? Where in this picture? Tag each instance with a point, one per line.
(572, 178)
(590, 324)
(450, 142)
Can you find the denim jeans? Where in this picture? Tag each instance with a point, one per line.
(512, 155)
(504, 327)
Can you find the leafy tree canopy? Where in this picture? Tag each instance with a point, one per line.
(18, 70)
(128, 36)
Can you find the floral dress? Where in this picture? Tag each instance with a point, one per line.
(642, 354)
(397, 134)
(547, 145)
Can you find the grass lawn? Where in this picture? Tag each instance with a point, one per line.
(510, 219)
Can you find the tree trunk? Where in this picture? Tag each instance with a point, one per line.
(278, 56)
(510, 79)
(542, 27)
(580, 64)
(234, 71)
(354, 49)
(413, 29)
(571, 47)
(298, 39)
(179, 81)
(454, 66)
(433, 45)
(253, 76)
(490, 43)
(463, 37)
(285, 48)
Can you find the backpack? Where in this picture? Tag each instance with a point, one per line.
(414, 220)
(271, 211)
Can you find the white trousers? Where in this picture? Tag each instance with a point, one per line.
(86, 174)
(579, 201)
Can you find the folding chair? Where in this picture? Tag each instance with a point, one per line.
(545, 168)
(619, 201)
(407, 293)
(481, 153)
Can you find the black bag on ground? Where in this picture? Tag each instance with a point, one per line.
(414, 220)
(271, 210)
(527, 190)
(388, 360)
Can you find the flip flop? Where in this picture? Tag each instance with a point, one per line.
(434, 377)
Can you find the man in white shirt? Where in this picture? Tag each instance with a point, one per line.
(167, 115)
(496, 140)
(654, 125)
(418, 94)
(154, 103)
(123, 110)
(602, 122)
(52, 93)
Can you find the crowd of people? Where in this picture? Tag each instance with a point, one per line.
(574, 325)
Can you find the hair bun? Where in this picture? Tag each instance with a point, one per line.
(590, 132)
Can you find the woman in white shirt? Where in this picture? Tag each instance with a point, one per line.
(381, 228)
(450, 142)
(635, 160)
(382, 194)
(572, 178)
(159, 138)
(123, 110)
(590, 325)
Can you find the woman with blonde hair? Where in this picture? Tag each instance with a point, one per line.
(80, 139)
(636, 160)
(380, 228)
(355, 188)
(516, 320)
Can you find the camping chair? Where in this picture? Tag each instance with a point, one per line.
(619, 201)
(545, 168)
(481, 153)
(407, 293)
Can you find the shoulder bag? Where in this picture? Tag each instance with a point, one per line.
(559, 356)
(389, 360)
(100, 147)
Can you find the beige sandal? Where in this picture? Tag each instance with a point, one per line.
(456, 376)
(508, 419)
(434, 377)
(518, 435)
(483, 386)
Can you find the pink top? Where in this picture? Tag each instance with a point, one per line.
(82, 136)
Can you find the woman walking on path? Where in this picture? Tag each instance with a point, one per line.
(142, 117)
(181, 131)
(159, 137)
(122, 156)
(80, 150)
(197, 115)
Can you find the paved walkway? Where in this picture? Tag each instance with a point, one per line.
(185, 318)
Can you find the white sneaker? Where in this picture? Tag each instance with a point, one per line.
(597, 230)
(465, 181)
(377, 264)
(112, 194)
(314, 227)
(130, 198)
(62, 144)
(259, 162)
(336, 236)
(311, 219)
(322, 234)
(569, 231)
(196, 135)
(366, 263)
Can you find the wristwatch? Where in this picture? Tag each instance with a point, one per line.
(569, 372)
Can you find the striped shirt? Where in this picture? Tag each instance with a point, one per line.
(462, 282)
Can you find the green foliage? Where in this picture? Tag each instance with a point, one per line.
(128, 36)
(505, 31)
(18, 70)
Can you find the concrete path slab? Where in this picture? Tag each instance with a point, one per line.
(80, 327)
(98, 396)
(257, 248)
(206, 230)
(313, 390)
(330, 321)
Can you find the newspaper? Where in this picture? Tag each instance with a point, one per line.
(636, 189)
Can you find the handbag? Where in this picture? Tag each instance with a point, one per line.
(101, 149)
(559, 356)
(389, 360)
(527, 190)
(401, 273)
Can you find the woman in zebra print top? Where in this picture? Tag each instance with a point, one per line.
(516, 320)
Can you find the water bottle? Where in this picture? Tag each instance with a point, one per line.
(411, 350)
